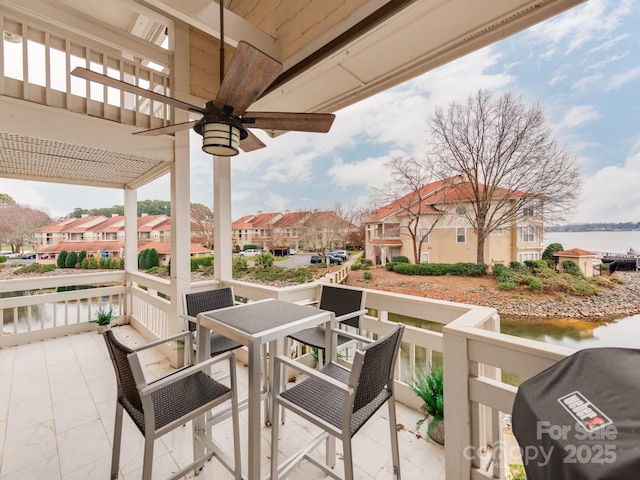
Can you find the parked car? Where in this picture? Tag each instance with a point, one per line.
(315, 258)
(293, 251)
(333, 259)
(11, 255)
(29, 256)
(250, 252)
(341, 254)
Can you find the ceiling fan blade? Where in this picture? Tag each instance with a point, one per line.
(250, 73)
(300, 122)
(178, 127)
(127, 87)
(251, 143)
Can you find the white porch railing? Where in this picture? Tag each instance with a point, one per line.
(42, 58)
(33, 309)
(474, 352)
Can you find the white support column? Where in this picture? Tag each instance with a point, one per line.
(130, 240)
(180, 185)
(222, 217)
(180, 230)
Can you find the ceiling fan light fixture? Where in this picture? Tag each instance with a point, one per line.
(221, 139)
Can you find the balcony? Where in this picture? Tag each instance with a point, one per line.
(58, 394)
(59, 411)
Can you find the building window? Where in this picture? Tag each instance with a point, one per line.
(461, 235)
(528, 234)
(424, 257)
(497, 231)
(523, 257)
(424, 235)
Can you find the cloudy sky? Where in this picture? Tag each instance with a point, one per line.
(582, 67)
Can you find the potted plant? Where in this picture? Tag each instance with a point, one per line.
(103, 317)
(429, 386)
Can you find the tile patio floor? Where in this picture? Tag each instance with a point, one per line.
(57, 405)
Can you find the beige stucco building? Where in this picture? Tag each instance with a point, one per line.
(444, 212)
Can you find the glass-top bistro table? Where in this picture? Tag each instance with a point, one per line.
(253, 325)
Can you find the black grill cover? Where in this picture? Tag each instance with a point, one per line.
(580, 419)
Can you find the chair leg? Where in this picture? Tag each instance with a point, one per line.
(330, 455)
(393, 426)
(147, 462)
(235, 414)
(347, 455)
(117, 441)
(275, 423)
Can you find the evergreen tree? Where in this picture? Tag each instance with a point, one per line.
(143, 264)
(62, 258)
(71, 260)
(152, 258)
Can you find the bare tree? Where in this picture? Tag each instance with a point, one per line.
(202, 223)
(513, 170)
(18, 224)
(409, 192)
(323, 230)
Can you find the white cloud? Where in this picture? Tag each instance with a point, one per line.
(370, 172)
(610, 43)
(620, 79)
(611, 194)
(586, 83)
(578, 115)
(597, 19)
(607, 61)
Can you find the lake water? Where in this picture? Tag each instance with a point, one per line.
(614, 242)
(575, 333)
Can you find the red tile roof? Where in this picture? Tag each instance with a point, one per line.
(452, 189)
(80, 246)
(575, 252)
(165, 247)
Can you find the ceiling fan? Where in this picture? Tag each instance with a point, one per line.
(225, 119)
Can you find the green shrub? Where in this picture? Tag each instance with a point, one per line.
(571, 267)
(498, 269)
(263, 260)
(366, 261)
(62, 258)
(36, 268)
(550, 250)
(152, 258)
(3, 259)
(239, 264)
(81, 256)
(198, 263)
(537, 266)
(390, 266)
(356, 266)
(400, 259)
(507, 285)
(367, 275)
(251, 247)
(85, 263)
(534, 285)
(142, 259)
(71, 260)
(517, 266)
(460, 269)
(160, 271)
